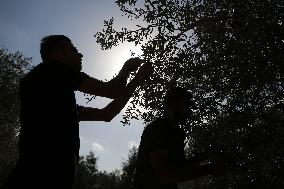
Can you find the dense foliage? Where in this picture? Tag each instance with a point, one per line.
(13, 67)
(230, 54)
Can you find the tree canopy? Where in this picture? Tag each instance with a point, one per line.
(229, 54)
(89, 176)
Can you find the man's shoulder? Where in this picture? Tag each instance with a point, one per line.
(158, 122)
(44, 70)
(33, 73)
(155, 136)
(156, 127)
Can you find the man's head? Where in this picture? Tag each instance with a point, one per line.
(59, 48)
(178, 102)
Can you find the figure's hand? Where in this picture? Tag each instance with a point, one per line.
(144, 72)
(132, 64)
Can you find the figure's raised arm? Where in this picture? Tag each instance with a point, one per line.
(114, 107)
(111, 88)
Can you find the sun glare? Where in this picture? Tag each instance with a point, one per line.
(120, 55)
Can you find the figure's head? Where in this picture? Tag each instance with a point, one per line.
(178, 102)
(59, 48)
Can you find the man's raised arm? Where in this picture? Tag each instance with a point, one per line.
(111, 88)
(114, 107)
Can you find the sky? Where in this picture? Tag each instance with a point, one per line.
(24, 23)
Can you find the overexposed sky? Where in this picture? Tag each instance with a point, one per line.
(24, 23)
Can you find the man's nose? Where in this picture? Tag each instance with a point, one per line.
(81, 56)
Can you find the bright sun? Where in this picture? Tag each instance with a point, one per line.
(121, 54)
(114, 60)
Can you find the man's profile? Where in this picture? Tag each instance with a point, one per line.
(49, 136)
(161, 162)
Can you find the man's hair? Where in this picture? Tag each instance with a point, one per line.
(52, 43)
(176, 93)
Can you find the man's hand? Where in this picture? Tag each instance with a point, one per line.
(132, 64)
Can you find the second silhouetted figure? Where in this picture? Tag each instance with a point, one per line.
(161, 161)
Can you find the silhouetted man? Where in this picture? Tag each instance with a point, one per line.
(49, 136)
(161, 161)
